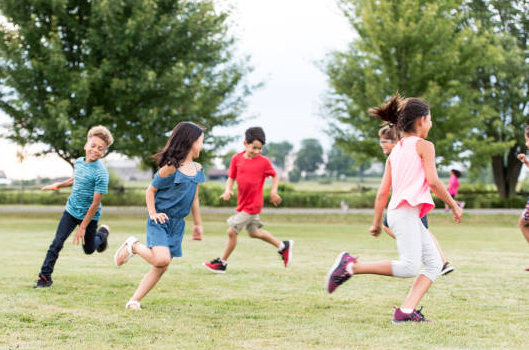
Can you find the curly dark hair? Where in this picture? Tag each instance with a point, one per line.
(255, 133)
(178, 145)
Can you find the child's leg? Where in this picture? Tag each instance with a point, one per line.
(230, 244)
(266, 236)
(92, 239)
(524, 224)
(64, 229)
(160, 258)
(438, 246)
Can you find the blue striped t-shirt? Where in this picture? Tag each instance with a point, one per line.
(88, 178)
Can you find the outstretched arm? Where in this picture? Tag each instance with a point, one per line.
(228, 192)
(381, 200)
(55, 186)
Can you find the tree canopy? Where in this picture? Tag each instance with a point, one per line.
(138, 67)
(310, 156)
(277, 152)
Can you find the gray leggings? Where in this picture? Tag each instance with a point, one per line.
(414, 243)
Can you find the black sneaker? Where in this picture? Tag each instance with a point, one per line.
(43, 282)
(286, 253)
(216, 266)
(447, 268)
(105, 230)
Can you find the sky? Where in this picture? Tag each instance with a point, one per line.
(285, 39)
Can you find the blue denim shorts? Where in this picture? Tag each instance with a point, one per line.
(169, 234)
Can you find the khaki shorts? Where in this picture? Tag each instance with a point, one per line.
(241, 220)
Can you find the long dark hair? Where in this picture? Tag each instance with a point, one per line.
(401, 112)
(178, 145)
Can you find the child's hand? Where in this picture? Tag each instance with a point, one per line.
(159, 218)
(374, 230)
(226, 195)
(275, 199)
(198, 232)
(458, 213)
(54, 187)
(521, 157)
(79, 236)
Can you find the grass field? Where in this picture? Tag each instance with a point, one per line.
(258, 304)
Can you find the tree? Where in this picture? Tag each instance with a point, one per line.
(226, 158)
(138, 67)
(277, 152)
(420, 48)
(310, 156)
(339, 162)
(497, 136)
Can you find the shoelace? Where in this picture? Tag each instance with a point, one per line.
(417, 315)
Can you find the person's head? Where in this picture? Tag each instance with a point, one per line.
(410, 115)
(254, 140)
(98, 140)
(186, 139)
(456, 173)
(526, 134)
(388, 138)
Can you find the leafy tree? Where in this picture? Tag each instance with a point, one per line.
(277, 152)
(310, 156)
(226, 158)
(497, 136)
(420, 48)
(339, 162)
(138, 67)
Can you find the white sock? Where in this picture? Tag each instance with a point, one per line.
(281, 246)
(349, 268)
(406, 311)
(224, 262)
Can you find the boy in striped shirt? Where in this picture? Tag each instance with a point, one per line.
(83, 209)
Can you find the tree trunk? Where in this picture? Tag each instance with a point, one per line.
(506, 175)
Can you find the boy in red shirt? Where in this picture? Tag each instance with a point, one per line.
(250, 169)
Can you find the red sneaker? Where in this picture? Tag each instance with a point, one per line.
(216, 266)
(338, 273)
(286, 253)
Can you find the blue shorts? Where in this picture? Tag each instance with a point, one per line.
(424, 220)
(169, 234)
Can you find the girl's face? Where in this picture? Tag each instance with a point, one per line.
(425, 124)
(387, 145)
(95, 149)
(197, 147)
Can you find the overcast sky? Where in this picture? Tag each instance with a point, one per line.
(285, 39)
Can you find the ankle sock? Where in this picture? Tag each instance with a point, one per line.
(281, 246)
(406, 311)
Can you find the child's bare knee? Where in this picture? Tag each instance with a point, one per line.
(162, 262)
(255, 234)
(232, 233)
(523, 223)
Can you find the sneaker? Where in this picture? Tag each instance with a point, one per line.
(286, 252)
(43, 282)
(105, 230)
(527, 269)
(216, 266)
(447, 268)
(338, 273)
(414, 316)
(124, 252)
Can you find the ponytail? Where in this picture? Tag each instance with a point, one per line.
(389, 111)
(401, 112)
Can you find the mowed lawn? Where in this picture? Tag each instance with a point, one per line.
(258, 304)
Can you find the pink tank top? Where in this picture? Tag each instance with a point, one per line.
(408, 179)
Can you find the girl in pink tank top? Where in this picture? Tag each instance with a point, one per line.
(410, 173)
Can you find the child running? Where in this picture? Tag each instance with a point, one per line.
(388, 137)
(170, 197)
(250, 169)
(524, 220)
(410, 170)
(83, 209)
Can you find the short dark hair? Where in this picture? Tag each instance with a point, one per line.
(456, 173)
(255, 133)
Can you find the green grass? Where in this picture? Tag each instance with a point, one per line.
(258, 304)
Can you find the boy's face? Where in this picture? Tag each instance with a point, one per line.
(253, 149)
(387, 145)
(95, 149)
(197, 147)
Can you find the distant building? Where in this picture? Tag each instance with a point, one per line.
(3, 179)
(217, 174)
(128, 170)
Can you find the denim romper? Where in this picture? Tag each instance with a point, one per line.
(174, 197)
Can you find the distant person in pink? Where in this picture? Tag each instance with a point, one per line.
(453, 186)
(524, 220)
(410, 173)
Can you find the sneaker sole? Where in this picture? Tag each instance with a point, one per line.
(336, 263)
(213, 270)
(102, 249)
(290, 247)
(447, 271)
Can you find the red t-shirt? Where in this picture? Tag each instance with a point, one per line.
(250, 175)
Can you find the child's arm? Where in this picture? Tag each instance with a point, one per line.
(79, 236)
(522, 158)
(228, 192)
(426, 151)
(55, 186)
(274, 197)
(381, 200)
(149, 196)
(198, 231)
